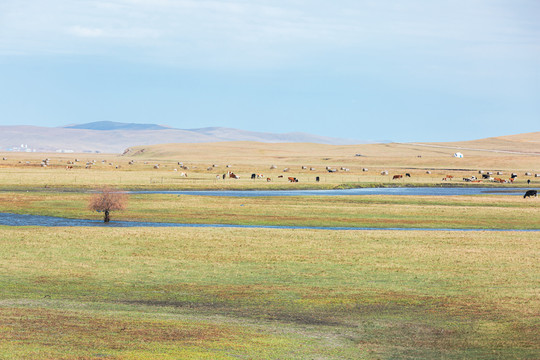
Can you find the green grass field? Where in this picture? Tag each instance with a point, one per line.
(86, 293)
(479, 212)
(211, 293)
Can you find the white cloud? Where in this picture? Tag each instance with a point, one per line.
(264, 32)
(86, 32)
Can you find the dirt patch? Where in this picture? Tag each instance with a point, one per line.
(83, 331)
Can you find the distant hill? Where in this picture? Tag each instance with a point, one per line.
(528, 143)
(111, 125)
(115, 137)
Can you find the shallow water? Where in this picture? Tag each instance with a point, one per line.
(418, 191)
(51, 221)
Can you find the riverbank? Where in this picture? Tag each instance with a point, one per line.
(485, 211)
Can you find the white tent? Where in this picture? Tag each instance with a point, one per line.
(458, 155)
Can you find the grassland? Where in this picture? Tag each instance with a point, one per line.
(209, 293)
(475, 212)
(203, 163)
(266, 294)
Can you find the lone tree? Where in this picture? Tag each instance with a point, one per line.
(108, 200)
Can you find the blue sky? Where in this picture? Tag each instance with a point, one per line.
(417, 70)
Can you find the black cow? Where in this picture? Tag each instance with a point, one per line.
(530, 193)
(407, 175)
(253, 176)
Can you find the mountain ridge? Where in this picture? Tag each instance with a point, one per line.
(114, 125)
(115, 137)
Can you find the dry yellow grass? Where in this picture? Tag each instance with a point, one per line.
(244, 158)
(527, 143)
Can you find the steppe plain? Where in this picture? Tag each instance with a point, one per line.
(215, 293)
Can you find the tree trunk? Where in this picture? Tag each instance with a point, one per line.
(107, 218)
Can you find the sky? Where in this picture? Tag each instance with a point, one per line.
(371, 70)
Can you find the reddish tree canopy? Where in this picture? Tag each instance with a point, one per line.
(107, 200)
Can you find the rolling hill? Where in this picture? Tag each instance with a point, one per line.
(114, 137)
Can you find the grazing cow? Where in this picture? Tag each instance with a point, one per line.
(268, 179)
(485, 176)
(407, 175)
(260, 176)
(292, 179)
(364, 169)
(397, 177)
(514, 175)
(317, 179)
(530, 193)
(384, 172)
(528, 181)
(280, 176)
(218, 177)
(234, 176)
(253, 176)
(449, 177)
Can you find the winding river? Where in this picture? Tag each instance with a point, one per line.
(416, 191)
(51, 221)
(9, 219)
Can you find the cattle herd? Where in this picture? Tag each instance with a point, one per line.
(483, 175)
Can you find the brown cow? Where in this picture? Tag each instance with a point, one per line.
(397, 177)
(292, 179)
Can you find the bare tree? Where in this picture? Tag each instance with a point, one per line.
(107, 200)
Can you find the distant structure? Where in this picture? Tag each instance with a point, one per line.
(458, 155)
